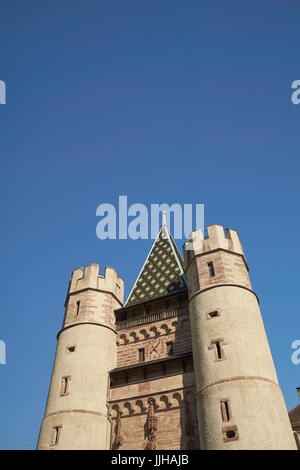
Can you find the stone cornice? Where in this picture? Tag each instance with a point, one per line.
(222, 285)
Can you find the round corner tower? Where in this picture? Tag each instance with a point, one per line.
(239, 402)
(76, 412)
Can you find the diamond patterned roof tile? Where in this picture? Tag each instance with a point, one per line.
(162, 273)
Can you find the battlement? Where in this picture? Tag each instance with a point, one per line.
(89, 278)
(216, 239)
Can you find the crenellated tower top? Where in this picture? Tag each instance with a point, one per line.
(216, 240)
(89, 278)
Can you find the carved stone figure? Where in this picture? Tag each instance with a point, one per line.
(151, 426)
(118, 440)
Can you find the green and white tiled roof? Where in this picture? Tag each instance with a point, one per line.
(162, 273)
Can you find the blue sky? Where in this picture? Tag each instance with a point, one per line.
(168, 101)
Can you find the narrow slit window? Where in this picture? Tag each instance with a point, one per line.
(211, 269)
(55, 435)
(219, 350)
(142, 355)
(77, 307)
(225, 411)
(217, 346)
(64, 389)
(170, 349)
(70, 349)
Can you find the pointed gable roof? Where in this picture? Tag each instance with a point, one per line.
(162, 273)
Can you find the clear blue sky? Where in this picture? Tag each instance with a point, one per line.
(166, 101)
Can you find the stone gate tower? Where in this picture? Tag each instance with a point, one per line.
(183, 364)
(86, 352)
(239, 402)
